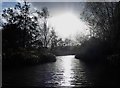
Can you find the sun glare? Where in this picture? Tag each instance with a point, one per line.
(68, 24)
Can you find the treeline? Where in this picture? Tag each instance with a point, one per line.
(103, 19)
(65, 47)
(26, 36)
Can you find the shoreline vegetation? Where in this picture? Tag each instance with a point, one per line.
(96, 51)
(24, 57)
(110, 60)
(26, 41)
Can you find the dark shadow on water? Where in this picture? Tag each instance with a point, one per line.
(101, 74)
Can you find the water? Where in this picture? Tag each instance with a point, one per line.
(66, 71)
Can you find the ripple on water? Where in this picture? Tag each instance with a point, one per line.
(66, 71)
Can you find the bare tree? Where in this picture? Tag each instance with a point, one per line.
(44, 29)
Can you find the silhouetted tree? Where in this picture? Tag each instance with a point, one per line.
(43, 26)
(20, 26)
(60, 42)
(53, 39)
(101, 16)
(22, 43)
(47, 35)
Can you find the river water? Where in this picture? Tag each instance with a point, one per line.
(66, 71)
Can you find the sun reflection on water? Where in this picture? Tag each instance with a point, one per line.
(68, 72)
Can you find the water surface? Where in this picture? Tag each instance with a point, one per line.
(66, 71)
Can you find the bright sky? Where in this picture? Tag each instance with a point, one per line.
(64, 17)
(68, 24)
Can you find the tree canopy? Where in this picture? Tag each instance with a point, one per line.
(103, 20)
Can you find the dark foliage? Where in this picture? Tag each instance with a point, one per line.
(20, 33)
(103, 19)
(93, 49)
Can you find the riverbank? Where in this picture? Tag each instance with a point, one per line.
(23, 57)
(110, 60)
